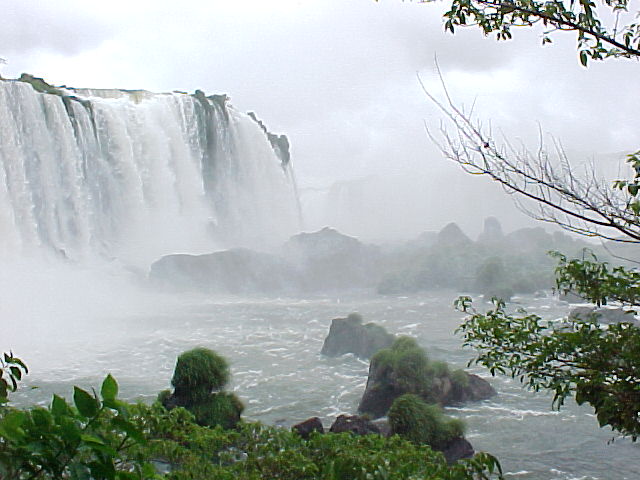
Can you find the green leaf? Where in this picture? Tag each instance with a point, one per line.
(59, 406)
(86, 404)
(129, 429)
(16, 372)
(109, 390)
(10, 425)
(583, 58)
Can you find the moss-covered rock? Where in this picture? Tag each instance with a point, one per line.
(198, 373)
(406, 368)
(39, 84)
(222, 408)
(422, 423)
(349, 335)
(198, 380)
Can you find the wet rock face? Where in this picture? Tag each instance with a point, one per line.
(349, 335)
(304, 429)
(354, 424)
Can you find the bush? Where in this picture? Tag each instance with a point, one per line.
(423, 423)
(460, 378)
(439, 369)
(408, 362)
(198, 373)
(254, 451)
(221, 408)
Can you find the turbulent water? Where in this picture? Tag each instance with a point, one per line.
(134, 175)
(273, 346)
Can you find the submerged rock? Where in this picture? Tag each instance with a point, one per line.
(349, 335)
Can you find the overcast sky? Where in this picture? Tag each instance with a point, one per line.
(338, 77)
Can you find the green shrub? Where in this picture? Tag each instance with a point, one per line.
(408, 362)
(439, 369)
(423, 423)
(198, 373)
(460, 378)
(405, 343)
(221, 408)
(253, 452)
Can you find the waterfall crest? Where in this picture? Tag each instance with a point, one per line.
(134, 175)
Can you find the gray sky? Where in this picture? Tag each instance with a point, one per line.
(338, 77)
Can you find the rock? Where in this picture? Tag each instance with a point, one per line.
(571, 297)
(458, 449)
(327, 260)
(349, 335)
(354, 424)
(305, 428)
(383, 426)
(602, 315)
(492, 232)
(405, 369)
(199, 380)
(475, 389)
(236, 271)
(453, 236)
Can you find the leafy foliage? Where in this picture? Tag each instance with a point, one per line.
(599, 364)
(423, 423)
(222, 408)
(93, 438)
(11, 371)
(254, 451)
(597, 281)
(596, 40)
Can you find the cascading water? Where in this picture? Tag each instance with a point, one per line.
(134, 175)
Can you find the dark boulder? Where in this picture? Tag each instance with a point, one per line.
(349, 335)
(458, 449)
(354, 424)
(304, 429)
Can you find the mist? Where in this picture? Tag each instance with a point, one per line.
(238, 175)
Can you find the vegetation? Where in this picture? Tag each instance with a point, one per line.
(514, 263)
(39, 85)
(93, 438)
(11, 371)
(599, 364)
(405, 368)
(422, 423)
(199, 379)
(198, 373)
(103, 438)
(409, 364)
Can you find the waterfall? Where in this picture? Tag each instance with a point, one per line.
(134, 175)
